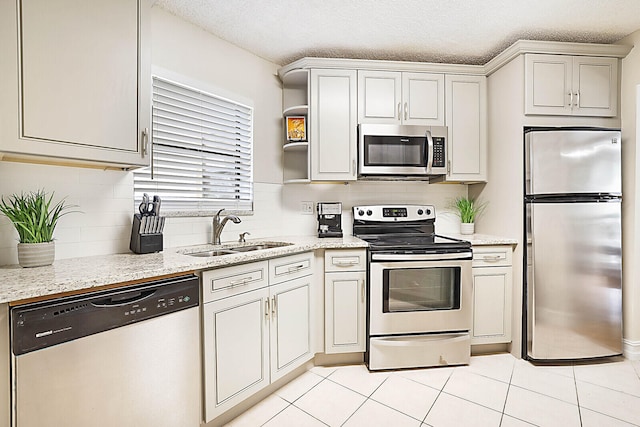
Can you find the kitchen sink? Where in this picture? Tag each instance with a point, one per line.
(260, 246)
(230, 250)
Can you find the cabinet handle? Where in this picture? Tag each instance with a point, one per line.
(570, 99)
(362, 290)
(578, 99)
(145, 141)
(274, 308)
(266, 308)
(399, 110)
(345, 263)
(406, 110)
(295, 268)
(491, 258)
(353, 166)
(448, 167)
(242, 281)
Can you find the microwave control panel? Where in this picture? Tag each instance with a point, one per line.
(438, 152)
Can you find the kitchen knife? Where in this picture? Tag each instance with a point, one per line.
(143, 224)
(156, 202)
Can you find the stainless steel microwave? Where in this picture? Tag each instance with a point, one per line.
(404, 151)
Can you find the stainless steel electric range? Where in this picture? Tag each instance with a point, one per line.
(419, 289)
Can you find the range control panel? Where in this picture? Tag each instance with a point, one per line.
(394, 213)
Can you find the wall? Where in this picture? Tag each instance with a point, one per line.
(630, 92)
(105, 198)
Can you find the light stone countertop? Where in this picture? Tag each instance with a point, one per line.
(84, 273)
(482, 239)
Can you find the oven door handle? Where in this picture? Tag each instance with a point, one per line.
(421, 257)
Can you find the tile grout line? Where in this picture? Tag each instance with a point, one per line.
(506, 397)
(365, 401)
(296, 399)
(424, 420)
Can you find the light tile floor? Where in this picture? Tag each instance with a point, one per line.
(494, 390)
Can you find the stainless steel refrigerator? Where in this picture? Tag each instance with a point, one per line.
(573, 289)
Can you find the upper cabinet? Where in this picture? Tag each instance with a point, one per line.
(571, 85)
(333, 125)
(400, 98)
(466, 120)
(80, 98)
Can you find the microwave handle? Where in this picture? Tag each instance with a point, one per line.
(429, 151)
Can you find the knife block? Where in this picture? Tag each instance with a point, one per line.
(144, 243)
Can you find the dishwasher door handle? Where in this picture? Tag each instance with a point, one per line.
(116, 302)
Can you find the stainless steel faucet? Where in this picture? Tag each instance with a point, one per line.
(218, 225)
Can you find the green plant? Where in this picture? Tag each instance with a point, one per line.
(34, 215)
(468, 209)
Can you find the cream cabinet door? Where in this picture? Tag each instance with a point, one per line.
(290, 313)
(236, 350)
(379, 97)
(548, 80)
(423, 99)
(595, 86)
(76, 80)
(333, 125)
(491, 305)
(345, 312)
(466, 120)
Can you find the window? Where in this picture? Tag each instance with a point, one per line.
(201, 151)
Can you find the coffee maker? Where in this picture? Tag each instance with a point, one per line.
(329, 219)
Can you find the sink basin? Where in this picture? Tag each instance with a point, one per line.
(229, 250)
(260, 246)
(212, 253)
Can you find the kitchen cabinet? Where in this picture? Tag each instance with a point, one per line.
(345, 300)
(84, 99)
(571, 85)
(492, 293)
(466, 120)
(400, 98)
(256, 327)
(333, 125)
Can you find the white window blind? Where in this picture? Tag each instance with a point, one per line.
(202, 148)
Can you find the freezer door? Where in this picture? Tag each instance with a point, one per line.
(574, 280)
(573, 162)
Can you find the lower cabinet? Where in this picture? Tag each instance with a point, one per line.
(345, 301)
(492, 290)
(255, 337)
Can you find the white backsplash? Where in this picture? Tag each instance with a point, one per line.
(105, 204)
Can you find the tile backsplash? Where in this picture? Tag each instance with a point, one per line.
(104, 198)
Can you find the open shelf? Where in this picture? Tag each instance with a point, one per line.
(296, 110)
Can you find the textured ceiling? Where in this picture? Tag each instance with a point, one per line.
(450, 31)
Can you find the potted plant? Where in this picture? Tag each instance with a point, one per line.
(468, 209)
(35, 218)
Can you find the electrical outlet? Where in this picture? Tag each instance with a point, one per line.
(306, 208)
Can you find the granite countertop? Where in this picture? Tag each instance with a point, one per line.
(84, 273)
(483, 239)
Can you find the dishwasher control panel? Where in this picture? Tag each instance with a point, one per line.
(44, 324)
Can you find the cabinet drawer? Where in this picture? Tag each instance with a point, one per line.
(228, 281)
(345, 260)
(491, 256)
(290, 267)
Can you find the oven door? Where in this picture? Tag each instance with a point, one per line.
(424, 295)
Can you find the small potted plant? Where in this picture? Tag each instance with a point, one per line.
(35, 218)
(468, 210)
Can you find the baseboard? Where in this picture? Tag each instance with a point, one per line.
(631, 349)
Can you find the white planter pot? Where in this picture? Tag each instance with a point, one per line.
(36, 254)
(467, 228)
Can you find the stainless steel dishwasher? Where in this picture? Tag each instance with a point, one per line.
(123, 357)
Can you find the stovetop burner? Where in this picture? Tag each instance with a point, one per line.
(402, 229)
